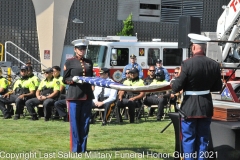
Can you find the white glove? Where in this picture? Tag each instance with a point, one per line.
(76, 79)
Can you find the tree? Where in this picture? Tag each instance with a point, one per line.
(127, 27)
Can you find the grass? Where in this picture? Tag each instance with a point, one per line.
(50, 140)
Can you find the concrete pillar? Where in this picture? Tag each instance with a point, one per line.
(51, 19)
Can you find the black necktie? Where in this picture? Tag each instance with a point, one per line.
(102, 95)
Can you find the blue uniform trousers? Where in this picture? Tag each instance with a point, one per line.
(195, 137)
(79, 116)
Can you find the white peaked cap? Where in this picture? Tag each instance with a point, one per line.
(197, 38)
(80, 42)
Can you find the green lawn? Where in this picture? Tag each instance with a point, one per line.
(50, 140)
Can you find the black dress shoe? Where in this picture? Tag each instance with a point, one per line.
(104, 123)
(65, 119)
(16, 117)
(34, 118)
(7, 116)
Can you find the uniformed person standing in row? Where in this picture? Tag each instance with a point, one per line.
(3, 84)
(133, 64)
(159, 67)
(79, 96)
(199, 76)
(133, 99)
(23, 89)
(46, 94)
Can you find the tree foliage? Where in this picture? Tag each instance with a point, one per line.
(127, 27)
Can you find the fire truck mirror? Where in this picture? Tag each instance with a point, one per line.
(114, 54)
(113, 63)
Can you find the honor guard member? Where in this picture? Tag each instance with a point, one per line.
(79, 96)
(131, 65)
(133, 99)
(199, 76)
(23, 89)
(46, 94)
(104, 97)
(160, 67)
(157, 98)
(3, 84)
(32, 77)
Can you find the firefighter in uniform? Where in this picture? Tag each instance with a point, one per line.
(132, 99)
(133, 64)
(157, 98)
(159, 67)
(46, 94)
(104, 97)
(3, 84)
(199, 76)
(79, 96)
(23, 89)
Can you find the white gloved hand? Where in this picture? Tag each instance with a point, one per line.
(76, 79)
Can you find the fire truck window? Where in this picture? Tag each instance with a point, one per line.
(153, 55)
(97, 54)
(122, 56)
(172, 56)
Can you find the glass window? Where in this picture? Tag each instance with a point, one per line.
(172, 56)
(153, 55)
(122, 56)
(97, 54)
(149, 6)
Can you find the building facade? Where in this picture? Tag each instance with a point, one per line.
(151, 19)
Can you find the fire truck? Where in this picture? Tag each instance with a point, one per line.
(114, 52)
(228, 50)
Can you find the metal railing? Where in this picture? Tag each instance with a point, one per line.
(1, 52)
(11, 55)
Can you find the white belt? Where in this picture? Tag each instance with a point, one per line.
(196, 92)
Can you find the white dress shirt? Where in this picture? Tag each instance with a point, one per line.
(108, 92)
